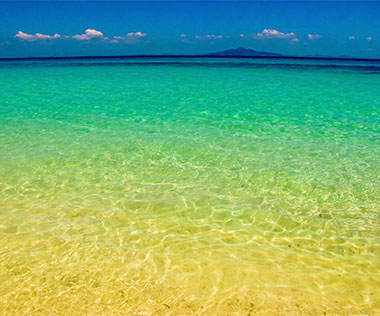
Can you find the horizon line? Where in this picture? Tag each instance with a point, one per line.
(189, 56)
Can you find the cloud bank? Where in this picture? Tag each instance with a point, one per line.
(37, 36)
(134, 37)
(89, 34)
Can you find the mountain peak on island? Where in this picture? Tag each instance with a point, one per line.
(241, 51)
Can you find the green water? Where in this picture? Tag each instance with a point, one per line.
(189, 187)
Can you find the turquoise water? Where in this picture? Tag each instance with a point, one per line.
(189, 187)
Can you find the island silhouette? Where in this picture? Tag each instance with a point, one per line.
(244, 52)
(240, 52)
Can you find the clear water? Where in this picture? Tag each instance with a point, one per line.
(189, 187)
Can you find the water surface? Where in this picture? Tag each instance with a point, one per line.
(189, 187)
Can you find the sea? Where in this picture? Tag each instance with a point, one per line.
(189, 186)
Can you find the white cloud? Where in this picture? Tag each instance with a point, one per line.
(37, 36)
(270, 33)
(241, 35)
(295, 40)
(369, 39)
(183, 35)
(209, 36)
(351, 37)
(88, 35)
(93, 33)
(137, 34)
(313, 36)
(130, 38)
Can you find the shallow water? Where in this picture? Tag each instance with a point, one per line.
(189, 187)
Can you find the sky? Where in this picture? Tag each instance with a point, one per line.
(99, 28)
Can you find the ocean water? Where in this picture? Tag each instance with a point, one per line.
(189, 187)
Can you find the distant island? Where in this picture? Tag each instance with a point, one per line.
(244, 52)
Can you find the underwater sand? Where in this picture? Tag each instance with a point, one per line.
(189, 187)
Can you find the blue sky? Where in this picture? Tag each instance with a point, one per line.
(47, 28)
